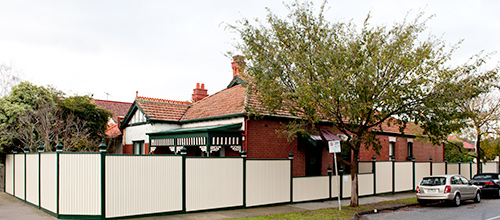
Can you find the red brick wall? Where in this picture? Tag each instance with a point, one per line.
(263, 142)
(422, 150)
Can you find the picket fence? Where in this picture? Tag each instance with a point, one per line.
(101, 186)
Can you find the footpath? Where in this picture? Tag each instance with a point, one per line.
(15, 209)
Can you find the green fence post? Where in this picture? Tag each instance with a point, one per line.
(459, 167)
(329, 170)
(26, 150)
(102, 150)
(470, 167)
(290, 157)
(430, 163)
(243, 154)
(413, 169)
(183, 154)
(374, 165)
(40, 150)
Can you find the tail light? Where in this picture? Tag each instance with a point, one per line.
(418, 189)
(489, 183)
(447, 189)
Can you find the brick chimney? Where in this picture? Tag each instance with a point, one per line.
(238, 65)
(199, 93)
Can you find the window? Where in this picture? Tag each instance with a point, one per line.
(138, 147)
(410, 149)
(391, 148)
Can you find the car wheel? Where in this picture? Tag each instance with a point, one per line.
(422, 202)
(477, 199)
(456, 200)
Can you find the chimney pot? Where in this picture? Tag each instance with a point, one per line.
(238, 65)
(197, 85)
(199, 93)
(203, 86)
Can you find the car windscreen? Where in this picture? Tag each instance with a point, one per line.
(485, 176)
(433, 181)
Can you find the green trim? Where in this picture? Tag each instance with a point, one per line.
(430, 165)
(267, 159)
(236, 81)
(130, 114)
(396, 134)
(459, 168)
(298, 177)
(330, 184)
(183, 183)
(24, 177)
(57, 183)
(152, 121)
(213, 118)
(78, 216)
(374, 170)
(413, 170)
(393, 177)
(291, 180)
(149, 215)
(138, 123)
(220, 128)
(39, 180)
(103, 185)
(341, 189)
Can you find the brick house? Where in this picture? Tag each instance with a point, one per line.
(119, 110)
(218, 125)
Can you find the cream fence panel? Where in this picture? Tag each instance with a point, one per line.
(422, 169)
(335, 183)
(267, 182)
(32, 178)
(310, 188)
(384, 177)
(9, 174)
(474, 169)
(80, 184)
(346, 185)
(138, 185)
(490, 167)
(404, 178)
(465, 168)
(19, 175)
(213, 183)
(365, 167)
(48, 181)
(365, 184)
(453, 168)
(438, 168)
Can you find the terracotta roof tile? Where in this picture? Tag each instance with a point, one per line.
(162, 109)
(117, 108)
(226, 102)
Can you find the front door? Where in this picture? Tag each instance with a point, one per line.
(313, 159)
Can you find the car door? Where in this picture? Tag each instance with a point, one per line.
(469, 190)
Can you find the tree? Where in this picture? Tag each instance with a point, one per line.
(483, 122)
(454, 152)
(8, 78)
(355, 78)
(35, 115)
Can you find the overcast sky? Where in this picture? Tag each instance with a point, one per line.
(162, 48)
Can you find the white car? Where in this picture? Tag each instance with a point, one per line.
(452, 188)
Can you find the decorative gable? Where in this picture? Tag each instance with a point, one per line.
(138, 117)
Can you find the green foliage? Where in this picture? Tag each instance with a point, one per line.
(454, 152)
(32, 115)
(81, 107)
(491, 148)
(357, 78)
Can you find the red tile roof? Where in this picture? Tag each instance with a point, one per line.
(226, 102)
(162, 109)
(117, 108)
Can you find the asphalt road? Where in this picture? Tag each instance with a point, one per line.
(488, 209)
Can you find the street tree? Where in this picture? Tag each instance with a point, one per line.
(9, 77)
(356, 78)
(483, 122)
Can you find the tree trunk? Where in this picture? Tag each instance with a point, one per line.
(478, 154)
(354, 179)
